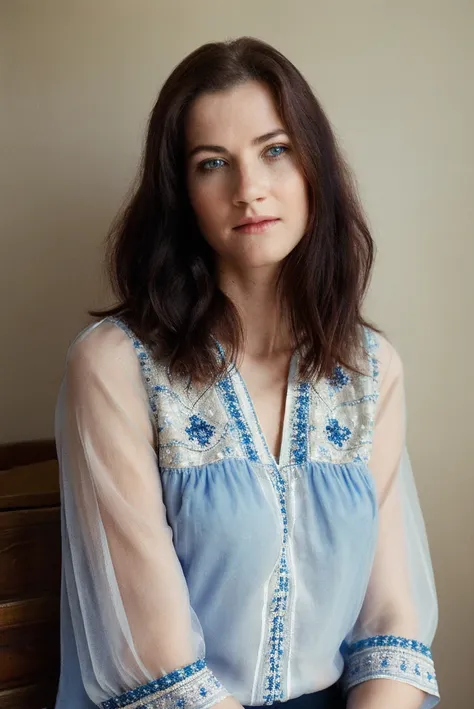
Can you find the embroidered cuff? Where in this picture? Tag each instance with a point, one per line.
(391, 657)
(192, 687)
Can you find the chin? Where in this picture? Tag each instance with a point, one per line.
(270, 254)
(263, 260)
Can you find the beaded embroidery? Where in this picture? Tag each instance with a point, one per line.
(299, 434)
(193, 425)
(199, 430)
(192, 687)
(342, 411)
(337, 434)
(391, 657)
(339, 379)
(239, 423)
(278, 631)
(331, 421)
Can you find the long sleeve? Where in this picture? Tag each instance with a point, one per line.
(136, 635)
(399, 616)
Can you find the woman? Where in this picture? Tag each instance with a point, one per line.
(240, 524)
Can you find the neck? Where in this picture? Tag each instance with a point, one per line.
(254, 294)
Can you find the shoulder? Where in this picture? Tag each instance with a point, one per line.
(103, 383)
(100, 348)
(388, 363)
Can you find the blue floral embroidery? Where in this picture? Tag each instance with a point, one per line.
(236, 416)
(390, 657)
(390, 641)
(339, 379)
(158, 685)
(300, 425)
(191, 686)
(279, 605)
(199, 430)
(336, 433)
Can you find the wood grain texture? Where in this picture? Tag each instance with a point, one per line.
(29, 611)
(30, 553)
(26, 452)
(30, 571)
(28, 486)
(29, 653)
(35, 696)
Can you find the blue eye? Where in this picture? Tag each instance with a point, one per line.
(276, 150)
(210, 165)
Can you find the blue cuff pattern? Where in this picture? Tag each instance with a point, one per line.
(192, 687)
(391, 657)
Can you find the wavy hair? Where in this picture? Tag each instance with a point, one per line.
(163, 271)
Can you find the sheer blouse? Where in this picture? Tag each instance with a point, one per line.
(196, 565)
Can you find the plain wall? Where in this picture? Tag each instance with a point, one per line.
(77, 80)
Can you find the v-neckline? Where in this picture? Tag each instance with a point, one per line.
(250, 413)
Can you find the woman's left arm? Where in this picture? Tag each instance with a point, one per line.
(388, 658)
(389, 694)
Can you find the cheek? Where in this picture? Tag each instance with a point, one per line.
(210, 212)
(296, 196)
(207, 202)
(290, 184)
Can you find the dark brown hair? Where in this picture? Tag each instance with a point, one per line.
(162, 269)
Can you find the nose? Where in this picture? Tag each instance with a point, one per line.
(250, 184)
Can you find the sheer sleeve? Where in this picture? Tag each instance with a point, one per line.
(399, 616)
(137, 637)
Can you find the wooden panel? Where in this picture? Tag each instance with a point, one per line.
(26, 452)
(35, 485)
(37, 696)
(29, 611)
(30, 553)
(29, 652)
(29, 642)
(30, 561)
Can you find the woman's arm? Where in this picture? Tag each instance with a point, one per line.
(388, 660)
(137, 636)
(388, 694)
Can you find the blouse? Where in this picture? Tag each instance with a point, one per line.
(197, 566)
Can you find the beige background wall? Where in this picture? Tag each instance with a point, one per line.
(77, 80)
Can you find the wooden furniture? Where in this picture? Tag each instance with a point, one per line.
(29, 575)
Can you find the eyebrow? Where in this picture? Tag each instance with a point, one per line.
(221, 149)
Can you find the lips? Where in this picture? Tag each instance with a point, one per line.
(257, 225)
(255, 220)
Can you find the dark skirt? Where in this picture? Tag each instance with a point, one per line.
(330, 698)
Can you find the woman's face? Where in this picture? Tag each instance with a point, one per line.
(241, 166)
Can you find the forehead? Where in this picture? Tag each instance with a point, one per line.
(234, 115)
